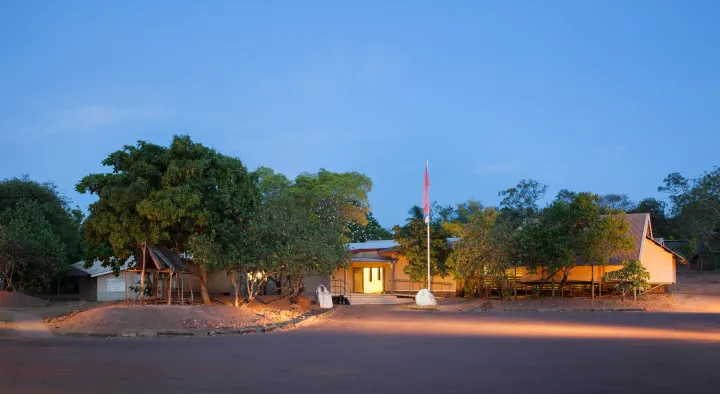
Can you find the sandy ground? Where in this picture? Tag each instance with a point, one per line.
(697, 292)
(118, 317)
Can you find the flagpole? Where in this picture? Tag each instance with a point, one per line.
(427, 168)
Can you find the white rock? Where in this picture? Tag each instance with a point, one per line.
(324, 298)
(425, 298)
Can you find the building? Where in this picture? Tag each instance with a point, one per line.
(99, 283)
(376, 268)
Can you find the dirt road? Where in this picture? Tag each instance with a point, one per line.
(387, 350)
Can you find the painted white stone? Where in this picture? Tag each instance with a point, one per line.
(324, 298)
(425, 297)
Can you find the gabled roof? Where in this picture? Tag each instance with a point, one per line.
(78, 269)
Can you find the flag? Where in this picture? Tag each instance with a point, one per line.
(426, 195)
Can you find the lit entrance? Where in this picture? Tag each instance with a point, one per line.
(369, 280)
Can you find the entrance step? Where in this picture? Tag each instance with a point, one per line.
(376, 299)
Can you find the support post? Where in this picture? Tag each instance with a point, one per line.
(125, 279)
(392, 277)
(592, 281)
(142, 275)
(429, 285)
(182, 289)
(515, 282)
(169, 289)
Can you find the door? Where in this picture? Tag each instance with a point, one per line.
(358, 280)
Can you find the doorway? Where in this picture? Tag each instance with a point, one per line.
(369, 280)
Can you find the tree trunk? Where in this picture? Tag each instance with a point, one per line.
(203, 288)
(515, 283)
(634, 293)
(564, 279)
(236, 286)
(169, 289)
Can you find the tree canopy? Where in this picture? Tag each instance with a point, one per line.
(412, 240)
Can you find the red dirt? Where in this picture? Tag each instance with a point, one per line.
(19, 300)
(117, 318)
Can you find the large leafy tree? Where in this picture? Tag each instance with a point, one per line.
(171, 196)
(476, 257)
(65, 222)
(412, 240)
(612, 203)
(661, 224)
(696, 207)
(568, 233)
(519, 204)
(31, 254)
(291, 239)
(346, 192)
(368, 232)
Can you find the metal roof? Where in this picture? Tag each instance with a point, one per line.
(368, 260)
(78, 269)
(373, 245)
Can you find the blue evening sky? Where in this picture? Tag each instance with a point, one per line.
(605, 96)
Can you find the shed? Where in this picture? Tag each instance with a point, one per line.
(99, 283)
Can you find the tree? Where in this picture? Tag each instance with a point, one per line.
(412, 240)
(612, 203)
(371, 231)
(661, 224)
(696, 207)
(65, 222)
(348, 191)
(632, 276)
(31, 254)
(292, 239)
(572, 232)
(474, 257)
(520, 203)
(171, 196)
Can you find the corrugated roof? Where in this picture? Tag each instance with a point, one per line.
(382, 244)
(639, 223)
(373, 245)
(96, 269)
(368, 260)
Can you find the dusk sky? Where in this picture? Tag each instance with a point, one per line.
(602, 96)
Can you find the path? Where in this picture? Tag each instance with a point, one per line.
(25, 325)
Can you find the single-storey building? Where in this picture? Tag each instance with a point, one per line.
(376, 268)
(658, 260)
(99, 283)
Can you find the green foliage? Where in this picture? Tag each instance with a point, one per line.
(520, 203)
(477, 255)
(662, 225)
(631, 277)
(412, 240)
(613, 203)
(346, 193)
(166, 196)
(290, 238)
(371, 231)
(696, 207)
(569, 232)
(64, 221)
(31, 254)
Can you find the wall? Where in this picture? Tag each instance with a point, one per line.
(87, 288)
(659, 263)
(103, 294)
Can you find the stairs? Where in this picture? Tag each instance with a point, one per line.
(377, 299)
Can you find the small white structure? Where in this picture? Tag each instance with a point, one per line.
(324, 299)
(425, 297)
(98, 283)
